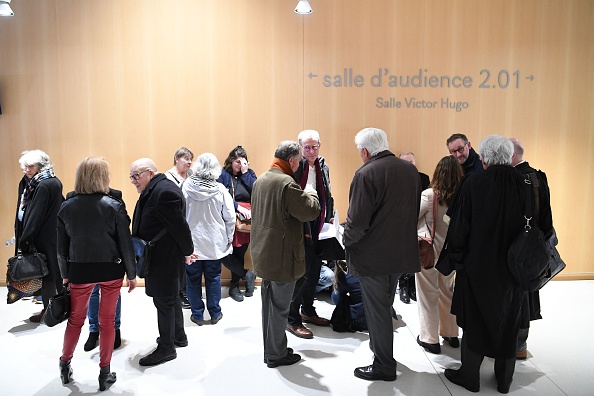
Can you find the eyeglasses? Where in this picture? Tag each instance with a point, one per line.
(136, 176)
(459, 150)
(315, 147)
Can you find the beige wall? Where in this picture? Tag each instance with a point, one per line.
(128, 79)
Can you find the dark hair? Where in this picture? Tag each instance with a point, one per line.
(446, 179)
(233, 155)
(456, 136)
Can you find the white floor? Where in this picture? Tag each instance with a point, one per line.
(226, 359)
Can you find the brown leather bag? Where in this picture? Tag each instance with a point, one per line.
(426, 251)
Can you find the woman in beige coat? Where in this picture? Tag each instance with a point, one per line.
(434, 290)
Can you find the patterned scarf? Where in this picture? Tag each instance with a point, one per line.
(319, 189)
(33, 183)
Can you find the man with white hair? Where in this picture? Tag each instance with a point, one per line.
(380, 238)
(160, 207)
(487, 214)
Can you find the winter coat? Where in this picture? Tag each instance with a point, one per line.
(487, 214)
(279, 207)
(247, 180)
(94, 236)
(211, 217)
(380, 234)
(161, 205)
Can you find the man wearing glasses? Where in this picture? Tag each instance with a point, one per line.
(160, 207)
(459, 147)
(312, 174)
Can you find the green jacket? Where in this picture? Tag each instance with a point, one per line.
(279, 208)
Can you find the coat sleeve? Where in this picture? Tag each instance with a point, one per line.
(170, 206)
(459, 228)
(248, 179)
(63, 242)
(360, 210)
(228, 212)
(425, 207)
(301, 205)
(125, 241)
(37, 212)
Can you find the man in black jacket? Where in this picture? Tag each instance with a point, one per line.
(161, 206)
(531, 305)
(459, 146)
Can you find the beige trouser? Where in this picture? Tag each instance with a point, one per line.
(434, 299)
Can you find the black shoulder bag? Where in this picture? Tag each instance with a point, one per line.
(142, 251)
(532, 258)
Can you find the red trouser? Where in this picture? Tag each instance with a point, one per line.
(79, 295)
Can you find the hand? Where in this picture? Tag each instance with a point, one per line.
(191, 258)
(244, 211)
(244, 165)
(308, 189)
(65, 281)
(131, 283)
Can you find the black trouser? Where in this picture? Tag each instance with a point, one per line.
(235, 262)
(471, 366)
(170, 319)
(305, 288)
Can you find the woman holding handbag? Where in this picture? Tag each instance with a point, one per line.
(39, 199)
(434, 290)
(94, 247)
(239, 180)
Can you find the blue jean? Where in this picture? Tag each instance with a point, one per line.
(212, 277)
(326, 278)
(92, 314)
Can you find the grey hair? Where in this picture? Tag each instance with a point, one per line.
(35, 157)
(373, 140)
(496, 150)
(287, 149)
(207, 167)
(308, 134)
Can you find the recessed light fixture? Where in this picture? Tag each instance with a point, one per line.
(5, 9)
(303, 7)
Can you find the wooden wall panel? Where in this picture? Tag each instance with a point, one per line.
(127, 79)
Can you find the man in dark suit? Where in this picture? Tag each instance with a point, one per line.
(531, 305)
(161, 206)
(459, 146)
(378, 249)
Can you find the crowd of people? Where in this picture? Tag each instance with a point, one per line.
(472, 206)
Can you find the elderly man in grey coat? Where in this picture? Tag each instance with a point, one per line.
(279, 209)
(380, 237)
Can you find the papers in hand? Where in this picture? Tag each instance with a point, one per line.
(332, 230)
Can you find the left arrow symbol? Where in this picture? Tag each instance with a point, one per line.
(311, 75)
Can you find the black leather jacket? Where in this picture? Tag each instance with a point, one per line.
(94, 228)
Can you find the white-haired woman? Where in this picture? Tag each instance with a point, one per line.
(211, 216)
(39, 200)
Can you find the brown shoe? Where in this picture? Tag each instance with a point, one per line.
(300, 331)
(522, 355)
(315, 320)
(37, 317)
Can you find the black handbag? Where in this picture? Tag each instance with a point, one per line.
(142, 251)
(24, 267)
(532, 258)
(58, 309)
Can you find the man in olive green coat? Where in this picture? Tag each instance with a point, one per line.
(279, 209)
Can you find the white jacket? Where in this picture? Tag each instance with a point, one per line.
(211, 216)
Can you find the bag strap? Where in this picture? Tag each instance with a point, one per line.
(535, 186)
(528, 204)
(158, 236)
(435, 200)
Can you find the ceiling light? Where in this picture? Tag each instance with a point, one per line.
(5, 9)
(303, 7)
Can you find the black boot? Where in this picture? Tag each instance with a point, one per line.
(106, 377)
(117, 342)
(65, 371)
(234, 292)
(92, 341)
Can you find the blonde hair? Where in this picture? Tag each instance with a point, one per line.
(92, 176)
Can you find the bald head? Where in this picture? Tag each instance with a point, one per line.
(141, 172)
(518, 155)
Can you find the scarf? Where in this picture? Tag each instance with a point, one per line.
(33, 183)
(319, 188)
(283, 166)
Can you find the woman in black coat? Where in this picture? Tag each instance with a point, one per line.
(94, 247)
(486, 217)
(40, 197)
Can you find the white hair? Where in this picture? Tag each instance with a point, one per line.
(207, 167)
(496, 150)
(35, 157)
(374, 140)
(308, 134)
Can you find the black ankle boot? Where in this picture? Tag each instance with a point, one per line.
(117, 342)
(92, 341)
(65, 371)
(106, 377)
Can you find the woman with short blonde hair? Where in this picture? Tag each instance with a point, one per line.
(92, 176)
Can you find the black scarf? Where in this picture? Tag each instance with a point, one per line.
(33, 183)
